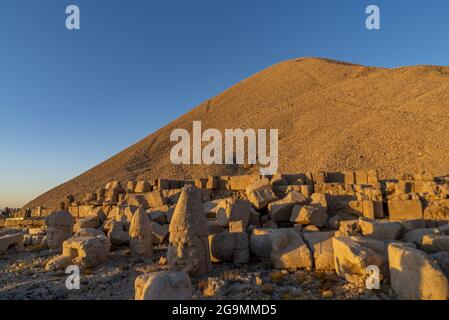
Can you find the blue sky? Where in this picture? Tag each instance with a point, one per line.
(71, 99)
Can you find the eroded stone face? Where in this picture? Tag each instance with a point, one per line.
(187, 254)
(188, 248)
(140, 242)
(60, 228)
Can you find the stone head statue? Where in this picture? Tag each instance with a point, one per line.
(140, 234)
(59, 228)
(188, 248)
(163, 285)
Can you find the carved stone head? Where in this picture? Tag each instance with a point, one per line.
(59, 228)
(140, 234)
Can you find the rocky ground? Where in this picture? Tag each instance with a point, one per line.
(23, 277)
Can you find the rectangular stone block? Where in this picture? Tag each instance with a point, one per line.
(405, 209)
(241, 182)
(414, 276)
(361, 177)
(349, 177)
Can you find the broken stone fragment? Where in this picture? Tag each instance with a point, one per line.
(289, 250)
(312, 214)
(414, 275)
(159, 232)
(163, 285)
(58, 263)
(155, 199)
(319, 198)
(261, 241)
(87, 222)
(229, 246)
(87, 251)
(130, 186)
(349, 228)
(117, 234)
(321, 245)
(188, 248)
(260, 193)
(233, 210)
(281, 210)
(381, 230)
(352, 260)
(237, 226)
(158, 214)
(211, 208)
(432, 243)
(416, 236)
(142, 187)
(8, 241)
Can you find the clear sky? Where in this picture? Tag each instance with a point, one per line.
(71, 99)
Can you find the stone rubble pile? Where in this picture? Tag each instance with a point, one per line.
(343, 222)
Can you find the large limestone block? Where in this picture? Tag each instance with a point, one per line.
(136, 200)
(405, 209)
(260, 193)
(319, 199)
(241, 182)
(289, 250)
(163, 285)
(409, 225)
(229, 246)
(381, 230)
(142, 187)
(117, 234)
(58, 263)
(11, 240)
(313, 214)
(87, 222)
(211, 207)
(261, 241)
(155, 199)
(414, 276)
(372, 209)
(361, 177)
(321, 245)
(233, 210)
(281, 210)
(159, 232)
(87, 251)
(158, 214)
(372, 177)
(352, 260)
(188, 248)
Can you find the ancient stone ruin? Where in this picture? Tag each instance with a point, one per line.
(191, 234)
